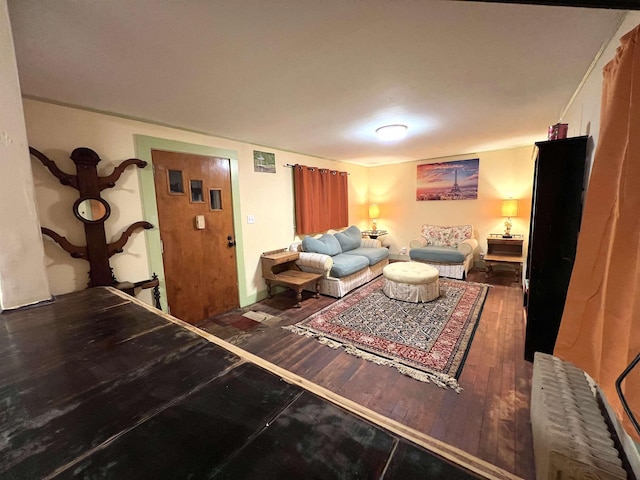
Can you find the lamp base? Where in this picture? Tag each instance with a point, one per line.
(507, 228)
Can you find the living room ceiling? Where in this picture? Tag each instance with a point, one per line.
(317, 76)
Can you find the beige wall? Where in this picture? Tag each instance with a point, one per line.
(22, 276)
(503, 174)
(57, 130)
(583, 115)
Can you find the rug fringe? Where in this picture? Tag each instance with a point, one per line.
(439, 379)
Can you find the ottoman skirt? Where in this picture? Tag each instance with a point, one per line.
(411, 282)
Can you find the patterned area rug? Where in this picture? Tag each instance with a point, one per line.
(427, 341)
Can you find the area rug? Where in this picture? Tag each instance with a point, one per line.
(426, 341)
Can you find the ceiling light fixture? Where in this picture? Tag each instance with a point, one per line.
(392, 132)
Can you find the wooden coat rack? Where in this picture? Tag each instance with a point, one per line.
(92, 210)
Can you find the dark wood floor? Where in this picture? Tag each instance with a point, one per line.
(488, 419)
(98, 385)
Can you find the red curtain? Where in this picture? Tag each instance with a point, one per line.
(321, 197)
(600, 328)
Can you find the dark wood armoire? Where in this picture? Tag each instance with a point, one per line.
(558, 192)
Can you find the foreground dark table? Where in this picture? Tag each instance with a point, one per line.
(94, 385)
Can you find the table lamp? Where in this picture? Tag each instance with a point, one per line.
(509, 209)
(374, 214)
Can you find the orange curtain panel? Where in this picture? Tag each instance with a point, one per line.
(600, 328)
(321, 199)
(338, 192)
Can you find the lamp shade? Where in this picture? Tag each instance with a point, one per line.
(510, 208)
(374, 211)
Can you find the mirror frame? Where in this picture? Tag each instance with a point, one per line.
(77, 203)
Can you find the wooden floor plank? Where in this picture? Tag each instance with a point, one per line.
(339, 371)
(473, 423)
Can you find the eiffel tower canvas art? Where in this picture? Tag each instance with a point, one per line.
(457, 180)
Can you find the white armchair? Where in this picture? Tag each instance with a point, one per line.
(450, 249)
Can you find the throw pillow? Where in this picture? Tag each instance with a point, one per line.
(437, 235)
(349, 238)
(326, 244)
(460, 233)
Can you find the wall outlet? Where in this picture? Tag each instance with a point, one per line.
(403, 250)
(251, 219)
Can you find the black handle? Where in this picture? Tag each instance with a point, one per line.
(230, 241)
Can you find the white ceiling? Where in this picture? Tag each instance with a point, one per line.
(317, 76)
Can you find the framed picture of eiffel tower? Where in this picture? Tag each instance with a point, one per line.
(456, 180)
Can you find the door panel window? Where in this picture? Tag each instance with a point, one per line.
(176, 183)
(196, 191)
(215, 196)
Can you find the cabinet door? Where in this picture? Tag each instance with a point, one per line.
(555, 224)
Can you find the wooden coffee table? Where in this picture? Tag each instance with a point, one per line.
(279, 268)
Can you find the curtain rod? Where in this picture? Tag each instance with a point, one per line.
(290, 165)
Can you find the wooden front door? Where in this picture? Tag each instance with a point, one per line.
(195, 217)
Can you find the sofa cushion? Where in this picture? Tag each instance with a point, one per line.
(326, 244)
(349, 238)
(437, 254)
(446, 236)
(374, 255)
(344, 265)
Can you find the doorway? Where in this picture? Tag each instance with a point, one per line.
(144, 146)
(195, 219)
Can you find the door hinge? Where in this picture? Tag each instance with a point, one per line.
(153, 169)
(161, 247)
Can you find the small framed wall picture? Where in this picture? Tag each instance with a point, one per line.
(264, 162)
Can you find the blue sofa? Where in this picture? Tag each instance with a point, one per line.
(345, 258)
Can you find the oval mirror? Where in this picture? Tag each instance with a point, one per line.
(91, 210)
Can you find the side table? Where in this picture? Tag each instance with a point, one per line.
(504, 251)
(279, 268)
(374, 233)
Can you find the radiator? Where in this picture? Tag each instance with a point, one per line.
(571, 436)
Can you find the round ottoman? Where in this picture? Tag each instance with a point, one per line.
(411, 282)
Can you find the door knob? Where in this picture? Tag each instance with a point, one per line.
(230, 241)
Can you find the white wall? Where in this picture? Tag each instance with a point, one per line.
(56, 130)
(583, 115)
(22, 276)
(502, 174)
